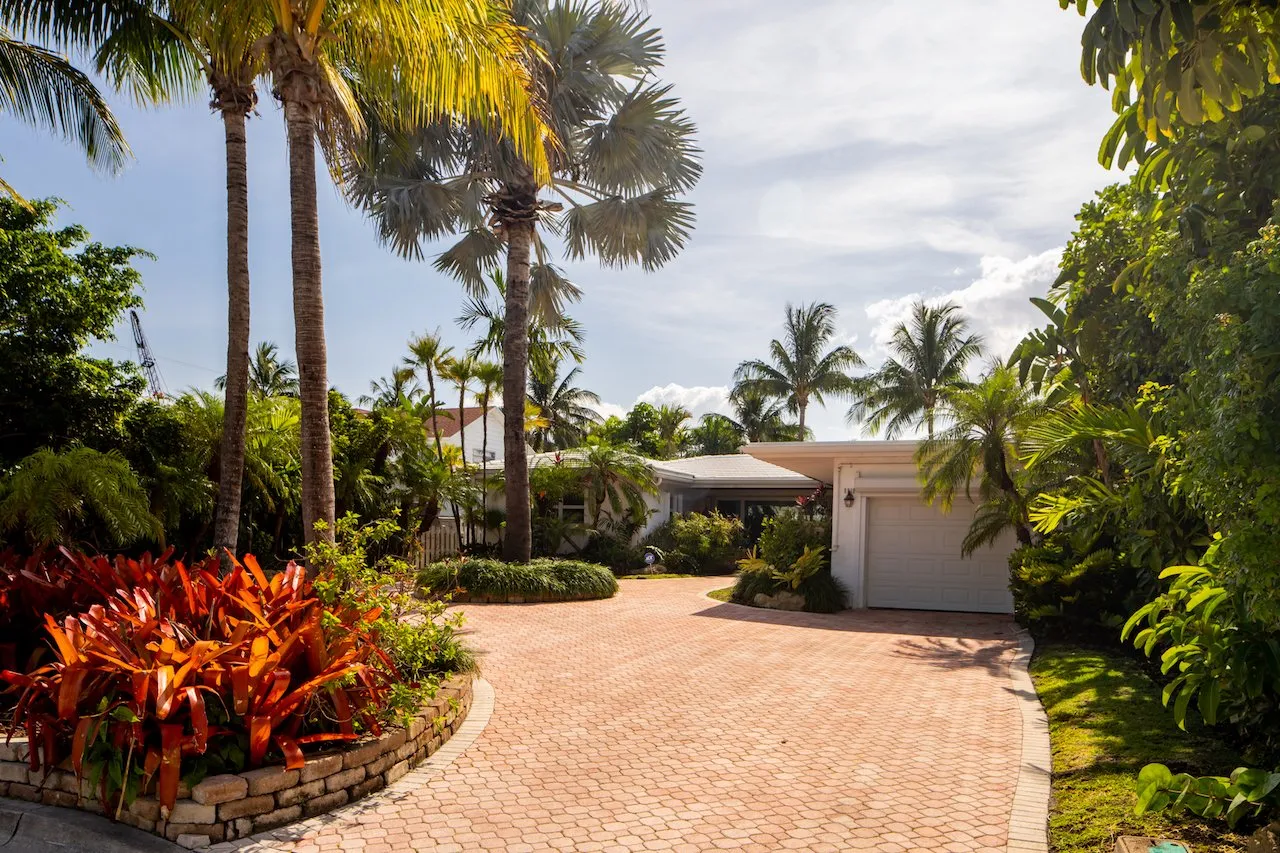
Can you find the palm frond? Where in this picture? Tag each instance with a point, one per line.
(44, 90)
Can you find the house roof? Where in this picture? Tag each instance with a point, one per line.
(730, 470)
(451, 424)
(819, 458)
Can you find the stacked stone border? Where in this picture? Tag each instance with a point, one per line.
(362, 813)
(1029, 817)
(230, 806)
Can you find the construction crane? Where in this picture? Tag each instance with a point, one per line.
(155, 385)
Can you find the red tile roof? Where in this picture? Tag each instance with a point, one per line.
(452, 425)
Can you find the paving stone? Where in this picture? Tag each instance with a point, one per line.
(246, 807)
(320, 767)
(660, 720)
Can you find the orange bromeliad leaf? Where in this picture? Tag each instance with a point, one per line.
(293, 757)
(199, 718)
(69, 691)
(259, 738)
(66, 651)
(80, 742)
(164, 691)
(258, 655)
(251, 563)
(171, 738)
(240, 689)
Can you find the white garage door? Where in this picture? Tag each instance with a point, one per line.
(913, 560)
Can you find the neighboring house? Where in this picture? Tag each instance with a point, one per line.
(889, 547)
(470, 423)
(736, 485)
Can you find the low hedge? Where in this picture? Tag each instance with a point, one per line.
(544, 579)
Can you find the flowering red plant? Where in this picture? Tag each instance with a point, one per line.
(143, 672)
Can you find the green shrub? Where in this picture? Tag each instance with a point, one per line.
(614, 546)
(1071, 586)
(543, 579)
(784, 537)
(702, 544)
(809, 574)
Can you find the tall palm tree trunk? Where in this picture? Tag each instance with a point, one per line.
(462, 449)
(517, 545)
(435, 415)
(234, 105)
(308, 315)
(484, 467)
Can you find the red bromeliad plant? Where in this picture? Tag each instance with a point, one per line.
(174, 659)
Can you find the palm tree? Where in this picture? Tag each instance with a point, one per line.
(930, 356)
(759, 417)
(625, 154)
(393, 391)
(983, 442)
(489, 377)
(429, 354)
(802, 369)
(268, 374)
(716, 435)
(565, 409)
(671, 433)
(40, 88)
(461, 372)
(553, 335)
(415, 61)
(615, 477)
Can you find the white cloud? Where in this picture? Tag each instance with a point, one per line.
(699, 399)
(996, 302)
(611, 410)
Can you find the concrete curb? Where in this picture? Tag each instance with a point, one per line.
(1029, 817)
(34, 828)
(280, 840)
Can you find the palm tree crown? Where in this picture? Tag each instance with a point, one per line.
(929, 356)
(565, 409)
(801, 369)
(982, 443)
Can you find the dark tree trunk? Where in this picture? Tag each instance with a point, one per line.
(484, 467)
(517, 545)
(308, 319)
(234, 106)
(462, 448)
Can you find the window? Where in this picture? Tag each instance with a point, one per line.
(729, 509)
(479, 454)
(573, 509)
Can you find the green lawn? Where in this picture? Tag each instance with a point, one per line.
(1105, 723)
(721, 594)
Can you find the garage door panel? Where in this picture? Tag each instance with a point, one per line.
(913, 560)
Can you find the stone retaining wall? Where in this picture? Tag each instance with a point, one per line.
(231, 806)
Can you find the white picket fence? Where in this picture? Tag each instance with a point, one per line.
(438, 541)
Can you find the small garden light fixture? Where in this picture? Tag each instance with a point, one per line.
(848, 497)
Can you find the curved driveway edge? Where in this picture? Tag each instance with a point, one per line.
(482, 700)
(1029, 819)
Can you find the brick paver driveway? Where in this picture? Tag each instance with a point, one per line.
(662, 720)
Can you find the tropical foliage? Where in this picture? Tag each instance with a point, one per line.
(801, 369)
(698, 543)
(200, 670)
(623, 155)
(928, 358)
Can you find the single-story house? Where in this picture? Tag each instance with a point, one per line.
(889, 547)
(738, 485)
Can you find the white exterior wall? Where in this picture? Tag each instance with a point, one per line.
(871, 469)
(474, 433)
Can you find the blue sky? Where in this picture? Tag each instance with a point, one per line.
(861, 153)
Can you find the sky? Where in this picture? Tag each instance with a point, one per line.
(861, 153)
